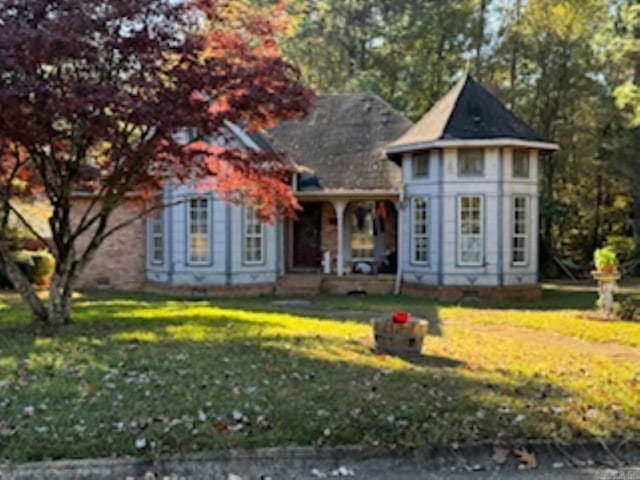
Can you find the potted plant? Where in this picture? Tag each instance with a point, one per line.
(607, 275)
(606, 260)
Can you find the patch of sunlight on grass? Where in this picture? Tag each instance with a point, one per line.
(117, 302)
(43, 342)
(8, 364)
(52, 360)
(582, 380)
(566, 322)
(265, 323)
(194, 332)
(136, 336)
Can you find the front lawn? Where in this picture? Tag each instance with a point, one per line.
(141, 375)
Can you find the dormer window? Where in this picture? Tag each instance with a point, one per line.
(420, 165)
(521, 163)
(471, 162)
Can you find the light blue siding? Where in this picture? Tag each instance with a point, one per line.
(443, 187)
(219, 271)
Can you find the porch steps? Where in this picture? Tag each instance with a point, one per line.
(306, 285)
(299, 285)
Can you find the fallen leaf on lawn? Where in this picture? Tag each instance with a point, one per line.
(591, 413)
(262, 422)
(221, 427)
(342, 471)
(6, 430)
(519, 418)
(527, 458)
(500, 455)
(87, 387)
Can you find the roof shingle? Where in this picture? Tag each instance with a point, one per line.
(343, 142)
(467, 112)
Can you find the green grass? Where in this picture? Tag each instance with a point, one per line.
(203, 375)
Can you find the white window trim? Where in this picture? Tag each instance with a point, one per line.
(414, 166)
(471, 175)
(513, 163)
(153, 235)
(207, 260)
(414, 236)
(525, 235)
(480, 236)
(246, 235)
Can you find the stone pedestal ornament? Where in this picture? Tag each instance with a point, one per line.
(607, 287)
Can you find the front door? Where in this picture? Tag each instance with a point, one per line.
(307, 252)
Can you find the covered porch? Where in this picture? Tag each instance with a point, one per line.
(354, 234)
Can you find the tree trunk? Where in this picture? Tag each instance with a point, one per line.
(636, 164)
(595, 241)
(479, 40)
(39, 313)
(636, 192)
(513, 64)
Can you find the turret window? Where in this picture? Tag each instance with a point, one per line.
(420, 165)
(521, 164)
(471, 162)
(470, 231)
(520, 230)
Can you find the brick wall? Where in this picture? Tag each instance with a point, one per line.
(120, 262)
(196, 291)
(516, 293)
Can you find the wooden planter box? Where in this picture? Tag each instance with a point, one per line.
(399, 338)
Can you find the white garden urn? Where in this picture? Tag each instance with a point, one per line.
(607, 286)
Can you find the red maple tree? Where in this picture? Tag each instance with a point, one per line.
(92, 96)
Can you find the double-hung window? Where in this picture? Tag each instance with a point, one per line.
(199, 248)
(520, 230)
(470, 230)
(156, 237)
(420, 230)
(253, 247)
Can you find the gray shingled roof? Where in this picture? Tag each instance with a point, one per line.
(343, 142)
(467, 112)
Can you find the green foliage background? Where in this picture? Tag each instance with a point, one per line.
(570, 68)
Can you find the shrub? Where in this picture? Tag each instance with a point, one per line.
(626, 310)
(43, 265)
(37, 267)
(24, 260)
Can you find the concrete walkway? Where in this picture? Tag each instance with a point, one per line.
(472, 463)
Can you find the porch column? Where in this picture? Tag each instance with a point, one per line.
(339, 207)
